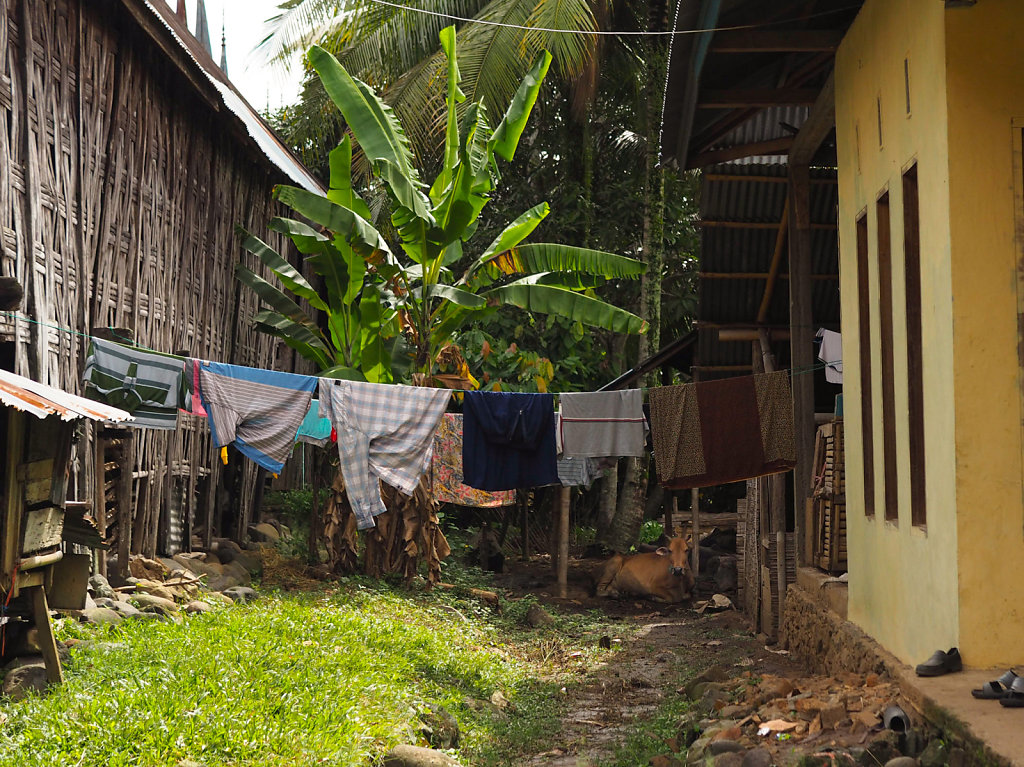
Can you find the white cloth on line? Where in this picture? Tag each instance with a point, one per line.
(831, 353)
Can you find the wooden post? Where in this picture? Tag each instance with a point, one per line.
(47, 643)
(671, 510)
(695, 528)
(563, 542)
(524, 523)
(10, 540)
(100, 494)
(124, 502)
(776, 492)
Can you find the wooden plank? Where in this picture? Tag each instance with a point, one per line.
(99, 504)
(47, 642)
(762, 276)
(734, 177)
(776, 263)
(757, 225)
(124, 503)
(801, 321)
(10, 542)
(761, 98)
(776, 40)
(739, 151)
(819, 124)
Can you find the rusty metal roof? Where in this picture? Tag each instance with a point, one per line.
(41, 401)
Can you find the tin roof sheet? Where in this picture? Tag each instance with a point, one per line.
(41, 401)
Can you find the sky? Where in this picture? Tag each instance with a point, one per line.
(261, 84)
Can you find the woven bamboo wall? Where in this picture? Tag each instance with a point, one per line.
(120, 187)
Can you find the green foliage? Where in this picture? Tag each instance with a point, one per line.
(409, 289)
(650, 531)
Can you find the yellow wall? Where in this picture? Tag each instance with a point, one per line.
(985, 91)
(903, 580)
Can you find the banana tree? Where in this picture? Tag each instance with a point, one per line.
(425, 286)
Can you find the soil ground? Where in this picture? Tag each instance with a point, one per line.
(662, 646)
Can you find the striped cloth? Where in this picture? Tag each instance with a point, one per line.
(602, 423)
(259, 410)
(385, 432)
(148, 385)
(578, 472)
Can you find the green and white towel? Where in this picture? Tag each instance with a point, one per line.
(148, 385)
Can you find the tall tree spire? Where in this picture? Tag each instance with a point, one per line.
(203, 27)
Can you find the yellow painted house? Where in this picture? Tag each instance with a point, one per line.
(929, 109)
(917, 108)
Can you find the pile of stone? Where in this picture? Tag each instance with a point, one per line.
(761, 720)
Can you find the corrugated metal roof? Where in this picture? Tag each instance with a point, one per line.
(265, 138)
(41, 401)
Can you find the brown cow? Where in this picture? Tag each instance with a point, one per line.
(663, 575)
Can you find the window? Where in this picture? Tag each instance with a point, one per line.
(888, 384)
(915, 376)
(864, 334)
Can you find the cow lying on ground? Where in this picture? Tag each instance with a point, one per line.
(663, 575)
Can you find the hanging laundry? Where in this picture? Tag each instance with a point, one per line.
(148, 385)
(193, 400)
(384, 432)
(831, 353)
(605, 423)
(314, 429)
(722, 431)
(509, 440)
(446, 470)
(259, 410)
(578, 472)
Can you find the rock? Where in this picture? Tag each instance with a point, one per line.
(439, 727)
(223, 582)
(152, 587)
(250, 560)
(227, 550)
(124, 609)
(150, 603)
(197, 566)
(499, 701)
(25, 680)
(724, 746)
(415, 756)
(100, 615)
(149, 616)
(689, 730)
(759, 757)
(89, 601)
(147, 569)
(902, 761)
(219, 598)
(713, 699)
(734, 712)
(198, 607)
(537, 616)
(881, 749)
(832, 715)
(242, 594)
(772, 687)
(729, 759)
(237, 570)
(728, 733)
(171, 567)
(935, 754)
(264, 532)
(100, 587)
(957, 757)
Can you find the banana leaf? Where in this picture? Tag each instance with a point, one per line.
(546, 299)
(294, 335)
(306, 238)
(278, 301)
(357, 231)
(512, 235)
(510, 129)
(341, 192)
(375, 357)
(551, 257)
(449, 293)
(288, 274)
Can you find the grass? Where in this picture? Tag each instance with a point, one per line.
(330, 677)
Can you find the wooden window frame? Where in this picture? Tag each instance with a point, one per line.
(915, 350)
(1017, 144)
(890, 472)
(864, 344)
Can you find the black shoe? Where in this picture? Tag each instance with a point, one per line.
(941, 663)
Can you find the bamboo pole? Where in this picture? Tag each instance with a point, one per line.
(563, 543)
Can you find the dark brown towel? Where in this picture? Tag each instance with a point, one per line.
(722, 431)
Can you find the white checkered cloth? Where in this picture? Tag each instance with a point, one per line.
(385, 432)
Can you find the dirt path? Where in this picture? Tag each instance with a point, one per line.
(662, 646)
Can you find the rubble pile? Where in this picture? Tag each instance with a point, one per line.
(841, 721)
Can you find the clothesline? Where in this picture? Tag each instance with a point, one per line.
(135, 345)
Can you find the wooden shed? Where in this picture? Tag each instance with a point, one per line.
(127, 159)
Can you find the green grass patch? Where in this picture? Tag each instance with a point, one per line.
(334, 677)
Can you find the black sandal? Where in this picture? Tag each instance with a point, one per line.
(1014, 697)
(997, 688)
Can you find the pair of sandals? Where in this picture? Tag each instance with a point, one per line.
(1007, 689)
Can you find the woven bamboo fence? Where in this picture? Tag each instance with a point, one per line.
(121, 182)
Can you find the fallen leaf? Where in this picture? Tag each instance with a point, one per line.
(776, 726)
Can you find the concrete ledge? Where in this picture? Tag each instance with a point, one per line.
(828, 592)
(989, 734)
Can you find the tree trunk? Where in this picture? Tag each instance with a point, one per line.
(629, 514)
(609, 498)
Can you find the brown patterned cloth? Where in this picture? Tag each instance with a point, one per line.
(722, 431)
